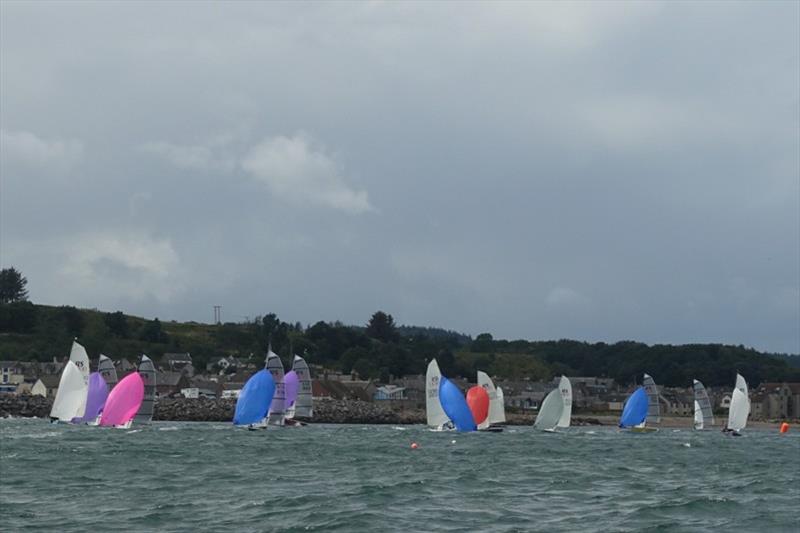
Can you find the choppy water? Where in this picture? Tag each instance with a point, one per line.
(210, 477)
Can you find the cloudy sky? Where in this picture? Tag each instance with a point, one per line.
(596, 171)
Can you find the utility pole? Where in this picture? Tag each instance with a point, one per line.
(217, 314)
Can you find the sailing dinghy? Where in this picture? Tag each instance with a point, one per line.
(95, 400)
(550, 412)
(497, 411)
(703, 414)
(276, 414)
(254, 400)
(739, 409)
(123, 402)
(107, 370)
(634, 413)
(147, 371)
(436, 417)
(70, 400)
(565, 387)
(303, 405)
(455, 406)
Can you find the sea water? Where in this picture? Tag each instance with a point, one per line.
(170, 476)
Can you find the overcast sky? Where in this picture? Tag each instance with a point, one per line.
(595, 171)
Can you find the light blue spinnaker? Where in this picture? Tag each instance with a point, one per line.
(635, 410)
(455, 406)
(254, 399)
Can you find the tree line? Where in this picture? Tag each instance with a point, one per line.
(379, 349)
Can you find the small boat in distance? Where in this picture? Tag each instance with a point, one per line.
(304, 404)
(95, 400)
(703, 414)
(634, 413)
(276, 414)
(550, 412)
(107, 370)
(123, 402)
(497, 411)
(739, 409)
(565, 387)
(254, 399)
(70, 400)
(147, 371)
(436, 417)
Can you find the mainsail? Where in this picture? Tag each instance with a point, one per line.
(124, 401)
(653, 407)
(303, 406)
(550, 411)
(739, 409)
(455, 406)
(635, 411)
(254, 399)
(565, 387)
(274, 366)
(433, 407)
(703, 413)
(107, 370)
(70, 401)
(497, 411)
(147, 371)
(79, 356)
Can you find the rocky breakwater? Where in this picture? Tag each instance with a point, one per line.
(24, 405)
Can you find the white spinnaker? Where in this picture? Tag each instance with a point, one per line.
(550, 411)
(740, 405)
(433, 408)
(276, 414)
(702, 402)
(70, 401)
(303, 405)
(79, 356)
(565, 387)
(497, 412)
(698, 416)
(653, 407)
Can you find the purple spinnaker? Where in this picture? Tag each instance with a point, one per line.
(95, 399)
(124, 401)
(291, 384)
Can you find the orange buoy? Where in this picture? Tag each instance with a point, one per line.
(785, 427)
(414, 445)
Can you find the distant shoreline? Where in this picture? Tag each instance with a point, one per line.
(327, 411)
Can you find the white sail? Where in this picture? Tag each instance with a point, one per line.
(565, 387)
(739, 409)
(433, 408)
(653, 407)
(497, 411)
(147, 371)
(70, 401)
(303, 405)
(79, 356)
(550, 411)
(703, 404)
(276, 415)
(698, 416)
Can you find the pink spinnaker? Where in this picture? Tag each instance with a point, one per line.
(291, 384)
(123, 401)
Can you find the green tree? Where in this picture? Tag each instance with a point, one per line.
(117, 324)
(381, 326)
(12, 286)
(152, 332)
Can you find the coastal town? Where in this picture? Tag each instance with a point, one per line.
(222, 379)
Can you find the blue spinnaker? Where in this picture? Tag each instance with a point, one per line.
(635, 411)
(455, 406)
(254, 399)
